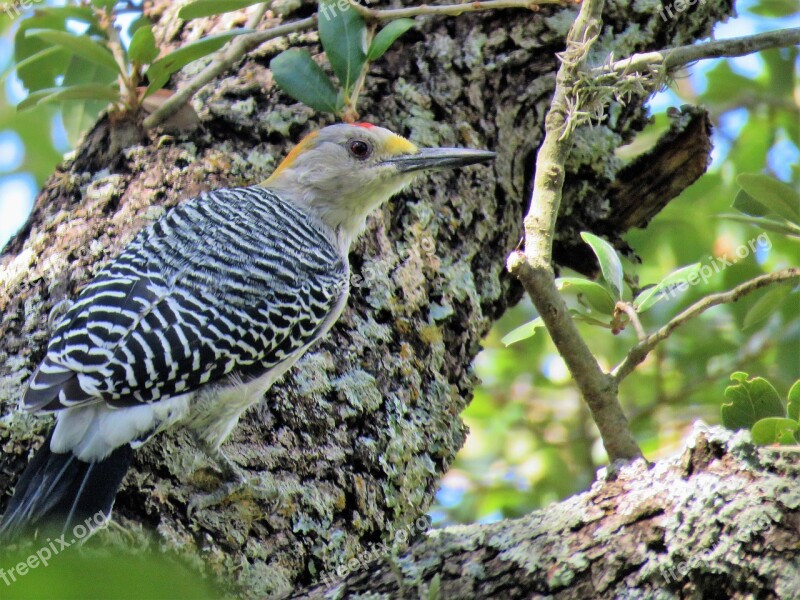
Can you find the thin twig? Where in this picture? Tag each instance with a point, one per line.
(640, 351)
(534, 267)
(714, 375)
(683, 55)
(224, 60)
(633, 316)
(453, 10)
(126, 79)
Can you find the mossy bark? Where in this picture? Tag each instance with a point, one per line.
(349, 448)
(720, 520)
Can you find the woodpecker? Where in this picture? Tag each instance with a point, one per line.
(201, 313)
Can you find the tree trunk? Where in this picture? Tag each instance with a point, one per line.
(349, 448)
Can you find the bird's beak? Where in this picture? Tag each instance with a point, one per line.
(428, 159)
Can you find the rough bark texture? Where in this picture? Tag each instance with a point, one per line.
(721, 520)
(350, 446)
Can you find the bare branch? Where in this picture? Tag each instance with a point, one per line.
(126, 80)
(640, 351)
(534, 266)
(682, 55)
(224, 60)
(633, 316)
(452, 10)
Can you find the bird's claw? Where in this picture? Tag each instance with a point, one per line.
(235, 482)
(254, 487)
(220, 495)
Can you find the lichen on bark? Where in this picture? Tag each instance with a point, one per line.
(351, 445)
(719, 520)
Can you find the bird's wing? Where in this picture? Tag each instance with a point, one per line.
(231, 282)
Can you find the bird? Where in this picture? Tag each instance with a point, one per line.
(201, 313)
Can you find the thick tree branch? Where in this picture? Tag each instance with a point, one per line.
(640, 351)
(719, 520)
(534, 266)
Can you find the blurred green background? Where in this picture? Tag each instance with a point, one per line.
(531, 440)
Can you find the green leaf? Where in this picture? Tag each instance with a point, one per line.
(387, 36)
(299, 76)
(774, 8)
(577, 315)
(143, 48)
(91, 91)
(44, 74)
(610, 264)
(207, 8)
(43, 56)
(159, 72)
(766, 305)
(793, 408)
(125, 575)
(79, 114)
(523, 332)
(778, 197)
(78, 13)
(106, 4)
(434, 587)
(774, 430)
(138, 23)
(652, 295)
(34, 129)
(749, 401)
(343, 34)
(783, 227)
(725, 85)
(34, 98)
(81, 45)
(596, 295)
(748, 205)
(780, 66)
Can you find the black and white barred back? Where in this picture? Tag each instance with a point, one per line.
(231, 282)
(227, 287)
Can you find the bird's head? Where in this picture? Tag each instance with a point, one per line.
(342, 172)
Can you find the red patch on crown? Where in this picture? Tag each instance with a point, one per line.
(364, 125)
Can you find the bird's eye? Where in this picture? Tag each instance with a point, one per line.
(359, 148)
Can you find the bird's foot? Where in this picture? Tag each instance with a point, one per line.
(253, 487)
(233, 478)
(236, 482)
(218, 496)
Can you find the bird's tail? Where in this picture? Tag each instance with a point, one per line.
(57, 492)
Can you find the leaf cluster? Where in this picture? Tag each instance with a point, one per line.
(73, 56)
(349, 45)
(755, 404)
